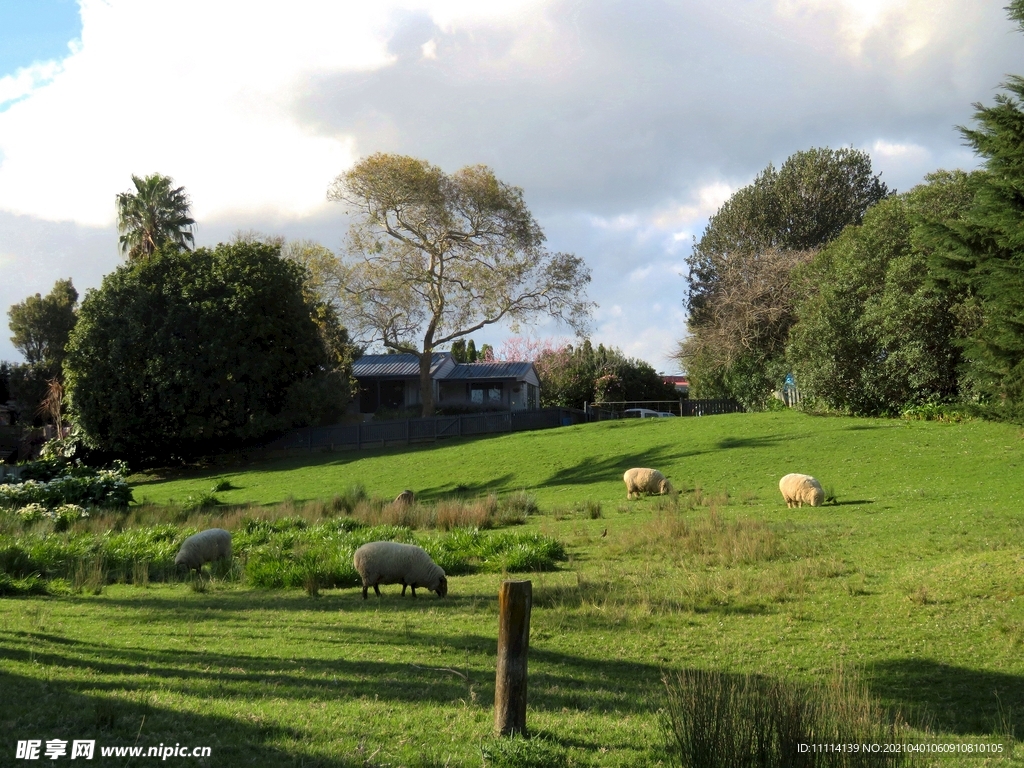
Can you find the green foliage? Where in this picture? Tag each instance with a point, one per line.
(194, 352)
(41, 326)
(739, 297)
(199, 501)
(154, 218)
(874, 334)
(75, 484)
(571, 376)
(518, 751)
(433, 256)
(978, 255)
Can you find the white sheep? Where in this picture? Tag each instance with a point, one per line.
(204, 547)
(388, 562)
(799, 489)
(640, 480)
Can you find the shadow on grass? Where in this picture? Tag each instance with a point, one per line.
(949, 698)
(347, 668)
(849, 503)
(761, 441)
(595, 470)
(56, 708)
(466, 490)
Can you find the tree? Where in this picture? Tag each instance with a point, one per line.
(981, 255)
(573, 376)
(154, 218)
(41, 326)
(433, 257)
(739, 287)
(183, 353)
(874, 334)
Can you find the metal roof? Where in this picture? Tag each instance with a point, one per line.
(397, 366)
(441, 368)
(489, 371)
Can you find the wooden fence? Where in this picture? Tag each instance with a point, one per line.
(710, 407)
(377, 434)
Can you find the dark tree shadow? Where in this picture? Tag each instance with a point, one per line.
(948, 698)
(596, 470)
(761, 441)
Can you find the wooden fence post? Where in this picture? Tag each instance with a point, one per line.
(514, 601)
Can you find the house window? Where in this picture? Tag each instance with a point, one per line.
(485, 394)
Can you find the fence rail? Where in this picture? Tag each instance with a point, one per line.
(710, 407)
(377, 434)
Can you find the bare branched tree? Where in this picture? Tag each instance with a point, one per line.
(749, 309)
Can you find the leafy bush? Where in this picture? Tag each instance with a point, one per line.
(73, 484)
(199, 501)
(32, 513)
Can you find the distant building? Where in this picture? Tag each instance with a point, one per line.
(681, 383)
(393, 381)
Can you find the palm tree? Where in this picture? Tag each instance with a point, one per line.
(155, 216)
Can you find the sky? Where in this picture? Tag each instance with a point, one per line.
(626, 123)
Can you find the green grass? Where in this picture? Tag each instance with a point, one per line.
(915, 579)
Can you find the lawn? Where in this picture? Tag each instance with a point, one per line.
(915, 578)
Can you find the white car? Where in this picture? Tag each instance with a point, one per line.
(644, 413)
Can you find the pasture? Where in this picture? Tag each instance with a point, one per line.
(914, 579)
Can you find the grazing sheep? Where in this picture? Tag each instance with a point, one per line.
(640, 481)
(388, 562)
(204, 547)
(798, 490)
(405, 497)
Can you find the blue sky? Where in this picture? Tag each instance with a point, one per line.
(626, 124)
(36, 30)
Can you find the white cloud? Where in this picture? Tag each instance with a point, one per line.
(702, 204)
(853, 23)
(200, 92)
(25, 80)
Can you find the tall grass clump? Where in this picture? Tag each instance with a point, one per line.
(446, 515)
(710, 539)
(716, 720)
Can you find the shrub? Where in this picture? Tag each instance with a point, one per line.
(32, 513)
(75, 484)
(713, 719)
(67, 515)
(202, 500)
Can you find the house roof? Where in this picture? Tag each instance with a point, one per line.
(489, 371)
(396, 366)
(442, 367)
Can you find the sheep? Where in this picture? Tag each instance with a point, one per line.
(640, 481)
(204, 547)
(799, 489)
(388, 562)
(405, 497)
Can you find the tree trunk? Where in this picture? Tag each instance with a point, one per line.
(426, 383)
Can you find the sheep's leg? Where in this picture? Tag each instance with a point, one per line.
(365, 588)
(413, 589)
(376, 590)
(403, 589)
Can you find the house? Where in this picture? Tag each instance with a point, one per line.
(393, 381)
(681, 383)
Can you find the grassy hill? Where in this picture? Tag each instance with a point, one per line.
(915, 578)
